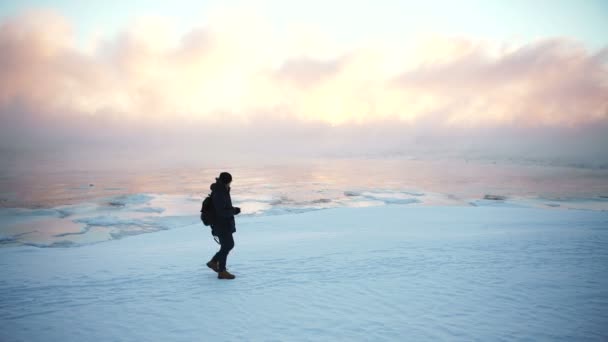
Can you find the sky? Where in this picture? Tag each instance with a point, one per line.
(524, 79)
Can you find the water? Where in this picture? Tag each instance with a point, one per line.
(53, 205)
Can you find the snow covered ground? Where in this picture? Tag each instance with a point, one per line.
(384, 273)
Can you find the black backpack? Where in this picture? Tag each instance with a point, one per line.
(208, 215)
(207, 211)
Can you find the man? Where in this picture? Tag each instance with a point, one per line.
(224, 224)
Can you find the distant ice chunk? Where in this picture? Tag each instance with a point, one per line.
(390, 197)
(414, 193)
(494, 197)
(499, 203)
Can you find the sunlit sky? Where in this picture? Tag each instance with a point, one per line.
(348, 22)
(434, 66)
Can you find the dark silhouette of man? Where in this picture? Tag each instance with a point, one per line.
(224, 224)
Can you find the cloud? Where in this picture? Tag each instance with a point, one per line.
(239, 90)
(305, 72)
(143, 74)
(547, 82)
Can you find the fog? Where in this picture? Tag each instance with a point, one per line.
(270, 137)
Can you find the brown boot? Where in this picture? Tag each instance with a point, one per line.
(214, 265)
(225, 275)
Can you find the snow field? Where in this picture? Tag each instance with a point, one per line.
(388, 273)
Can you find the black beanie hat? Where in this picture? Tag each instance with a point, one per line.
(225, 177)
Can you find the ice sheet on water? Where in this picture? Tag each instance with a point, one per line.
(279, 204)
(495, 203)
(597, 202)
(364, 203)
(6, 240)
(150, 210)
(62, 243)
(136, 199)
(107, 219)
(126, 215)
(501, 200)
(253, 207)
(391, 197)
(322, 199)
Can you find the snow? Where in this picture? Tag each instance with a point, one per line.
(393, 272)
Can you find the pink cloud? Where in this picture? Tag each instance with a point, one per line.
(551, 82)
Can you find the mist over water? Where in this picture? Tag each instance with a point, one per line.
(52, 183)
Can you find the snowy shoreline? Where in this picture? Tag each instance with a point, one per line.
(395, 272)
(124, 216)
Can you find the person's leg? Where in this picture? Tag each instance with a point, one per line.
(217, 254)
(227, 243)
(216, 257)
(214, 262)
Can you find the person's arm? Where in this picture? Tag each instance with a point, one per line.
(220, 203)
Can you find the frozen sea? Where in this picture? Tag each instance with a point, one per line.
(374, 249)
(50, 205)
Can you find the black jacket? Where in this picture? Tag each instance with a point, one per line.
(224, 218)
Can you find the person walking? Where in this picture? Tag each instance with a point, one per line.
(224, 225)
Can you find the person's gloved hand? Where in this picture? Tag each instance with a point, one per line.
(237, 210)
